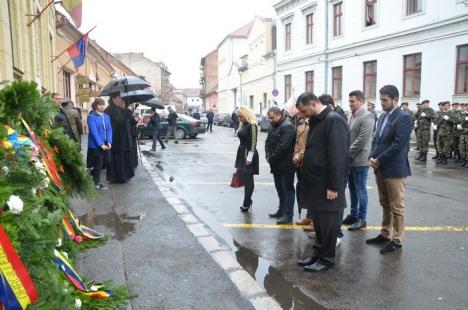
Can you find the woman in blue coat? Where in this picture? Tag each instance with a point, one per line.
(99, 140)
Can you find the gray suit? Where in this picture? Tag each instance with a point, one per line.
(362, 128)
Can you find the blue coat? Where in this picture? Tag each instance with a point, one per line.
(97, 134)
(391, 148)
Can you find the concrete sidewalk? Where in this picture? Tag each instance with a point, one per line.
(151, 250)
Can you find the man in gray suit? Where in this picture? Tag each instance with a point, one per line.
(361, 124)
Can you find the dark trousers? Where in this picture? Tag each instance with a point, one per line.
(157, 138)
(248, 188)
(299, 197)
(94, 162)
(326, 231)
(284, 183)
(209, 127)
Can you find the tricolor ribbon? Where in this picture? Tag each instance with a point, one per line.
(69, 272)
(87, 232)
(17, 290)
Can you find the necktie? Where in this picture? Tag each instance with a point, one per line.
(384, 123)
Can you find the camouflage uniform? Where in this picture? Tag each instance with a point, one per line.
(411, 114)
(434, 133)
(423, 121)
(463, 145)
(456, 134)
(446, 121)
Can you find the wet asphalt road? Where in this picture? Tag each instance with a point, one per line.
(430, 273)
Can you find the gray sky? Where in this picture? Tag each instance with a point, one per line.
(175, 31)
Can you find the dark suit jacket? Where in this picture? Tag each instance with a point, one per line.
(391, 148)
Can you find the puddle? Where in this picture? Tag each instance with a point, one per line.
(262, 270)
(121, 228)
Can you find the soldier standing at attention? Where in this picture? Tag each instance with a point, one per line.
(425, 117)
(418, 108)
(434, 133)
(405, 107)
(456, 133)
(446, 120)
(371, 108)
(463, 127)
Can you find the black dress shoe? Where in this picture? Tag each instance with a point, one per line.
(284, 220)
(307, 262)
(378, 240)
(246, 208)
(360, 224)
(277, 214)
(350, 220)
(318, 266)
(391, 247)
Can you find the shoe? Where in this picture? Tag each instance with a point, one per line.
(153, 150)
(392, 247)
(100, 186)
(284, 220)
(304, 222)
(163, 148)
(350, 220)
(444, 160)
(462, 163)
(307, 262)
(318, 266)
(338, 241)
(246, 208)
(309, 228)
(441, 159)
(360, 224)
(436, 157)
(419, 156)
(177, 142)
(277, 214)
(416, 149)
(424, 159)
(378, 240)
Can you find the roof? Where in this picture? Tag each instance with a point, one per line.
(242, 32)
(191, 92)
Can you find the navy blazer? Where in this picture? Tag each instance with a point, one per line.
(391, 148)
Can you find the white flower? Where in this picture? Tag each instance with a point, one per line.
(78, 303)
(59, 242)
(93, 288)
(45, 182)
(15, 204)
(33, 191)
(5, 170)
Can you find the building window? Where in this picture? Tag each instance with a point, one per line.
(461, 84)
(287, 87)
(309, 28)
(66, 84)
(337, 82)
(370, 12)
(412, 75)
(309, 77)
(370, 79)
(337, 19)
(287, 39)
(413, 6)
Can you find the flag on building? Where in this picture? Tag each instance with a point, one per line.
(74, 8)
(77, 51)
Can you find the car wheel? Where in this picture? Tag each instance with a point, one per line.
(180, 133)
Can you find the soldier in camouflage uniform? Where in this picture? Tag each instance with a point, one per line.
(415, 118)
(434, 133)
(456, 133)
(423, 123)
(463, 127)
(446, 121)
(405, 107)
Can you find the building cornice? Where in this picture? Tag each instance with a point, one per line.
(285, 5)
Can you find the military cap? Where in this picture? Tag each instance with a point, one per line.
(455, 103)
(419, 103)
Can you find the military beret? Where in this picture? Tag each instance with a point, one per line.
(419, 103)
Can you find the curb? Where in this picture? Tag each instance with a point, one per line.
(221, 254)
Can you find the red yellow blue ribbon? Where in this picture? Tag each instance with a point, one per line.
(17, 289)
(87, 232)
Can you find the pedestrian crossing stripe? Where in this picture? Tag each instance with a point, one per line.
(407, 228)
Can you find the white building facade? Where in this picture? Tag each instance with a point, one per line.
(337, 46)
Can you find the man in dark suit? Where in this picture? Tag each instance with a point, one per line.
(325, 170)
(389, 158)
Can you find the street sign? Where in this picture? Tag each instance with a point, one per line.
(275, 92)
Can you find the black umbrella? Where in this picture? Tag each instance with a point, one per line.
(153, 103)
(124, 85)
(138, 95)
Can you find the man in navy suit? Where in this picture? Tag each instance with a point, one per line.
(389, 158)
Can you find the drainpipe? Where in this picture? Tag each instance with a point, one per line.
(326, 48)
(11, 34)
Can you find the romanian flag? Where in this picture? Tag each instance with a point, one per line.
(17, 290)
(77, 51)
(74, 8)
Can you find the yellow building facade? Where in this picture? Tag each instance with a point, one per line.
(26, 51)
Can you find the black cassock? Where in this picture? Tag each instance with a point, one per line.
(121, 167)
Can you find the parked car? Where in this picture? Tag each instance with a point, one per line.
(222, 119)
(186, 126)
(203, 118)
(264, 123)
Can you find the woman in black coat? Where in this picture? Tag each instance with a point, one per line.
(247, 156)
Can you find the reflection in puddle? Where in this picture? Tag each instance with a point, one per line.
(283, 291)
(121, 229)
